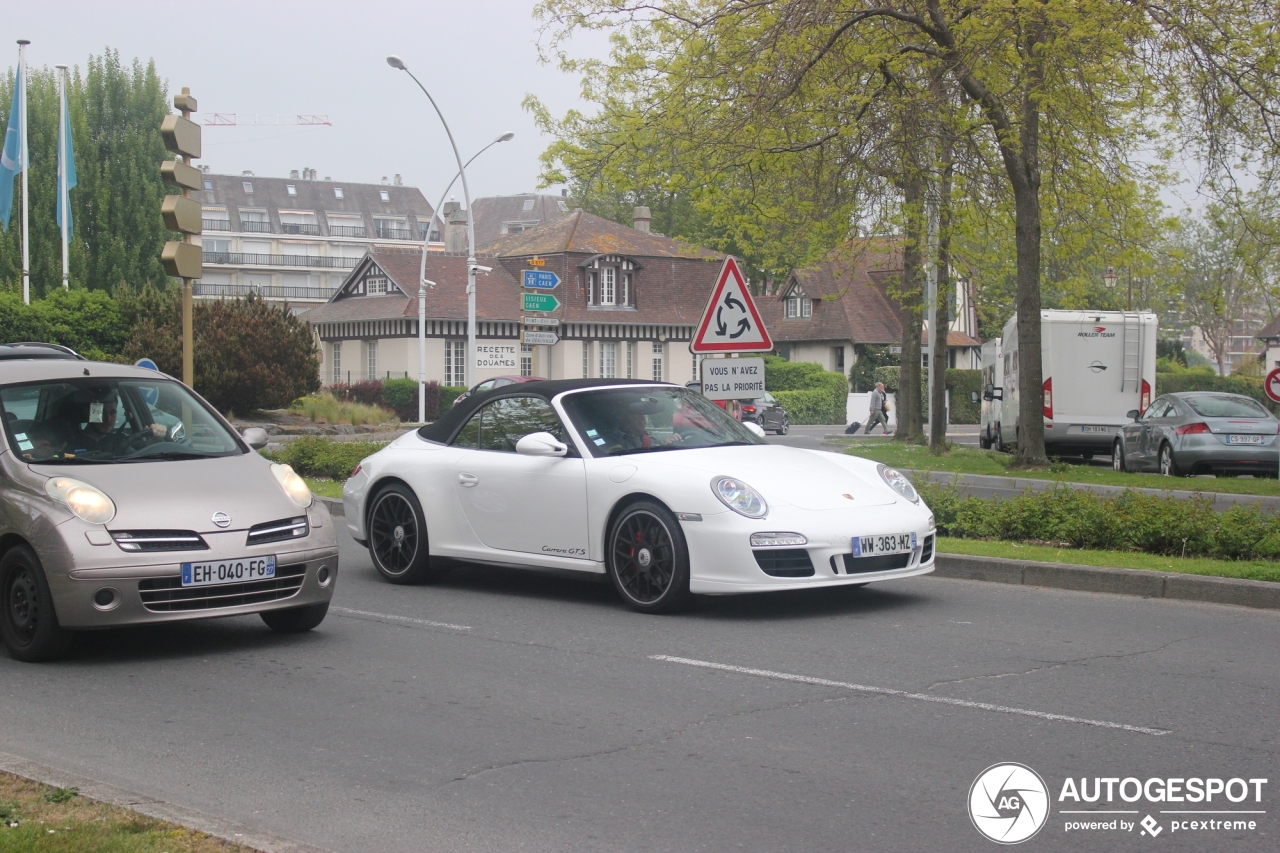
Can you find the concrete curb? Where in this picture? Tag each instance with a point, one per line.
(1220, 500)
(253, 839)
(335, 506)
(1148, 584)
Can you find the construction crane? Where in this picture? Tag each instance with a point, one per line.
(237, 120)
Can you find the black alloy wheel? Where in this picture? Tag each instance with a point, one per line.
(398, 537)
(649, 560)
(1117, 456)
(28, 623)
(785, 426)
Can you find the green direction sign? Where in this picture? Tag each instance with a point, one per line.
(540, 302)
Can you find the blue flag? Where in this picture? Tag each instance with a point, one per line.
(66, 163)
(11, 159)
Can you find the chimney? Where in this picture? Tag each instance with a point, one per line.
(397, 182)
(246, 173)
(293, 174)
(385, 182)
(205, 169)
(455, 227)
(326, 177)
(641, 218)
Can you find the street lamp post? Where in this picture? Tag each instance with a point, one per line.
(398, 63)
(423, 284)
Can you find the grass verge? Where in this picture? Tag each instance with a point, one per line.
(324, 488)
(36, 818)
(970, 460)
(1257, 570)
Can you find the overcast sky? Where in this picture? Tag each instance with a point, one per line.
(478, 58)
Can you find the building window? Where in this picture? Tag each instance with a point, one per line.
(798, 305)
(806, 307)
(248, 186)
(290, 189)
(697, 363)
(208, 185)
(384, 195)
(837, 359)
(630, 354)
(337, 362)
(657, 360)
(376, 287)
(608, 277)
(586, 359)
(626, 289)
(337, 192)
(526, 359)
(564, 208)
(455, 357)
(528, 204)
(608, 360)
(373, 359)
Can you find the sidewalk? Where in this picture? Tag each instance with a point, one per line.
(987, 486)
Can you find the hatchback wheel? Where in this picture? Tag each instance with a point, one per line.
(398, 537)
(1117, 456)
(648, 559)
(27, 621)
(1168, 466)
(785, 426)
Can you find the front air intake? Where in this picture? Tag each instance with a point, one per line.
(784, 562)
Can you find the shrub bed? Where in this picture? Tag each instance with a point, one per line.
(398, 395)
(1130, 521)
(810, 394)
(1196, 380)
(312, 456)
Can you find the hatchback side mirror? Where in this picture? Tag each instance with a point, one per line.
(255, 437)
(1133, 414)
(541, 444)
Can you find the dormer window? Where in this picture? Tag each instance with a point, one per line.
(609, 280)
(528, 204)
(291, 189)
(376, 287)
(798, 306)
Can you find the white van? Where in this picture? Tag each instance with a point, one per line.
(1097, 365)
(992, 379)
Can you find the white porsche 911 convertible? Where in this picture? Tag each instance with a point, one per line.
(647, 482)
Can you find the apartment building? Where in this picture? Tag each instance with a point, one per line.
(297, 239)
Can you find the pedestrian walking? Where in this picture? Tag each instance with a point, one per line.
(879, 410)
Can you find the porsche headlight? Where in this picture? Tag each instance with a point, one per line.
(294, 486)
(87, 502)
(739, 497)
(899, 483)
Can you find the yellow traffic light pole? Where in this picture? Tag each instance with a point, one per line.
(182, 213)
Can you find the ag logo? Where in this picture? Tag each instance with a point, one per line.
(1008, 803)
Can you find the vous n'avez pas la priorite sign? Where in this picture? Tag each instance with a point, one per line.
(731, 324)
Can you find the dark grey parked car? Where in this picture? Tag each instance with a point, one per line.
(768, 413)
(1199, 432)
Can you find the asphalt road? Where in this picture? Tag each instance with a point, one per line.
(504, 710)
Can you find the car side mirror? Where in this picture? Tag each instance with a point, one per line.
(255, 437)
(755, 428)
(973, 397)
(1133, 414)
(541, 444)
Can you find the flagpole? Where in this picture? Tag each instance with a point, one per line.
(64, 197)
(22, 130)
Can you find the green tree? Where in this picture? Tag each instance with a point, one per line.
(116, 111)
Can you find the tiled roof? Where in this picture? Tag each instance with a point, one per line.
(954, 339)
(1271, 330)
(492, 213)
(589, 234)
(318, 196)
(847, 305)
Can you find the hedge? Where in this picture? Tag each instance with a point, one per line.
(449, 393)
(960, 383)
(313, 456)
(1130, 521)
(399, 395)
(810, 394)
(1195, 380)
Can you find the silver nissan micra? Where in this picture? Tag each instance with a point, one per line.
(125, 499)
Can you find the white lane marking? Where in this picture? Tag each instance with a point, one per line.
(902, 694)
(426, 622)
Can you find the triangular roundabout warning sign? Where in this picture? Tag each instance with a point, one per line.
(731, 322)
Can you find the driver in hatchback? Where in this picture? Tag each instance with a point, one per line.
(98, 434)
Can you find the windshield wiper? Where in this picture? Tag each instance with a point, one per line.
(171, 455)
(734, 444)
(655, 449)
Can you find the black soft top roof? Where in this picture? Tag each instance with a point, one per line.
(443, 430)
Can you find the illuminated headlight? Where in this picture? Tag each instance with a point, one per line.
(294, 486)
(766, 540)
(87, 502)
(899, 483)
(739, 497)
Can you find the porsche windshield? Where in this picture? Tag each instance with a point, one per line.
(104, 420)
(646, 420)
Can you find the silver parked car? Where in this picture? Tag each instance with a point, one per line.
(126, 499)
(1199, 432)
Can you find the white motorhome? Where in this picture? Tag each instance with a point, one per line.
(1096, 367)
(992, 379)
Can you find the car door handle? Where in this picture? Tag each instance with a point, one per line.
(467, 481)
